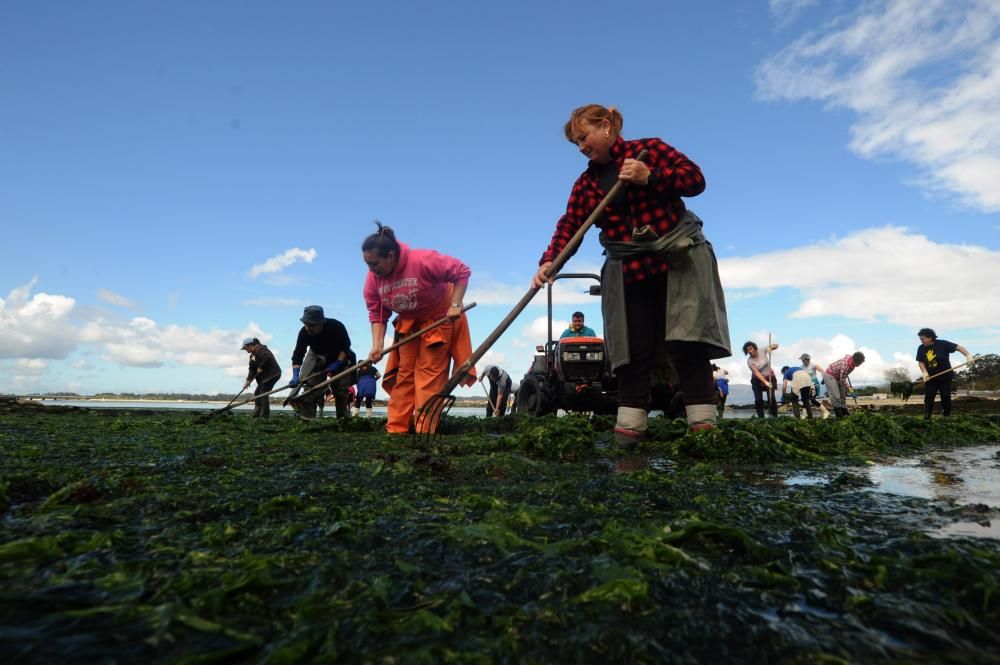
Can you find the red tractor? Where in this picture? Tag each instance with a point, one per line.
(574, 373)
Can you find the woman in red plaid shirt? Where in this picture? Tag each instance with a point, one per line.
(647, 233)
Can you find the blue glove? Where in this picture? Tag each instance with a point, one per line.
(295, 377)
(335, 366)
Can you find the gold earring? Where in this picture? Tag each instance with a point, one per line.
(607, 133)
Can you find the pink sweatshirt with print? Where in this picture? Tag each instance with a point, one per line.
(416, 286)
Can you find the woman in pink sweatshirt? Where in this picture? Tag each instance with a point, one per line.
(420, 286)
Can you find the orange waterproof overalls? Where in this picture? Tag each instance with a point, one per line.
(416, 371)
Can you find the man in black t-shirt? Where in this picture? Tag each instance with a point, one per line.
(932, 355)
(328, 346)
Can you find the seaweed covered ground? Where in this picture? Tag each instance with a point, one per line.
(157, 538)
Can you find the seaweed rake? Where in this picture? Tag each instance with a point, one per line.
(950, 369)
(427, 420)
(208, 416)
(365, 363)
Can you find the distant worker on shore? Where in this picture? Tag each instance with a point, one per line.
(836, 381)
(368, 377)
(500, 389)
(329, 346)
(577, 328)
(762, 378)
(935, 366)
(263, 369)
(797, 385)
(721, 378)
(815, 373)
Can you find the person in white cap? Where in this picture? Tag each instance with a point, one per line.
(815, 373)
(265, 370)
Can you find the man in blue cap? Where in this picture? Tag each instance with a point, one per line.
(328, 346)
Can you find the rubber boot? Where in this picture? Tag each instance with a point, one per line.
(368, 412)
(824, 411)
(700, 416)
(631, 426)
(841, 412)
(355, 412)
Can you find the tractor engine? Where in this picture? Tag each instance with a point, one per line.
(581, 360)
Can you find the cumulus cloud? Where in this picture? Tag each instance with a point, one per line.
(115, 299)
(30, 366)
(923, 77)
(281, 261)
(141, 342)
(883, 274)
(36, 326)
(491, 357)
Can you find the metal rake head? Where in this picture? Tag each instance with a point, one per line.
(427, 419)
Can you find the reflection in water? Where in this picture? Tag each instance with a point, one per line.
(805, 479)
(965, 475)
(974, 529)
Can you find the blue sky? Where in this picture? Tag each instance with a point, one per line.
(175, 176)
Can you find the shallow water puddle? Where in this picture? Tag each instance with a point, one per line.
(968, 478)
(964, 475)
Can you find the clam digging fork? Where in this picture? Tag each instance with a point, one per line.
(427, 420)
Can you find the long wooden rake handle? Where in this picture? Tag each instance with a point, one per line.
(574, 243)
(950, 369)
(366, 362)
(231, 406)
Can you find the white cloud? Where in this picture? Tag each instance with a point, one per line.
(31, 366)
(786, 11)
(282, 261)
(491, 357)
(115, 299)
(36, 326)
(141, 342)
(881, 274)
(923, 76)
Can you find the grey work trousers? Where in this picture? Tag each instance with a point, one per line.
(835, 391)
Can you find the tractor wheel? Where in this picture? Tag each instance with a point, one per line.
(532, 398)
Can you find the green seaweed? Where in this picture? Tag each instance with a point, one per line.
(152, 538)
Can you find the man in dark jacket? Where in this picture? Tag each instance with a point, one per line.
(328, 346)
(264, 369)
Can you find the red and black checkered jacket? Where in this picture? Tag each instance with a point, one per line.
(658, 204)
